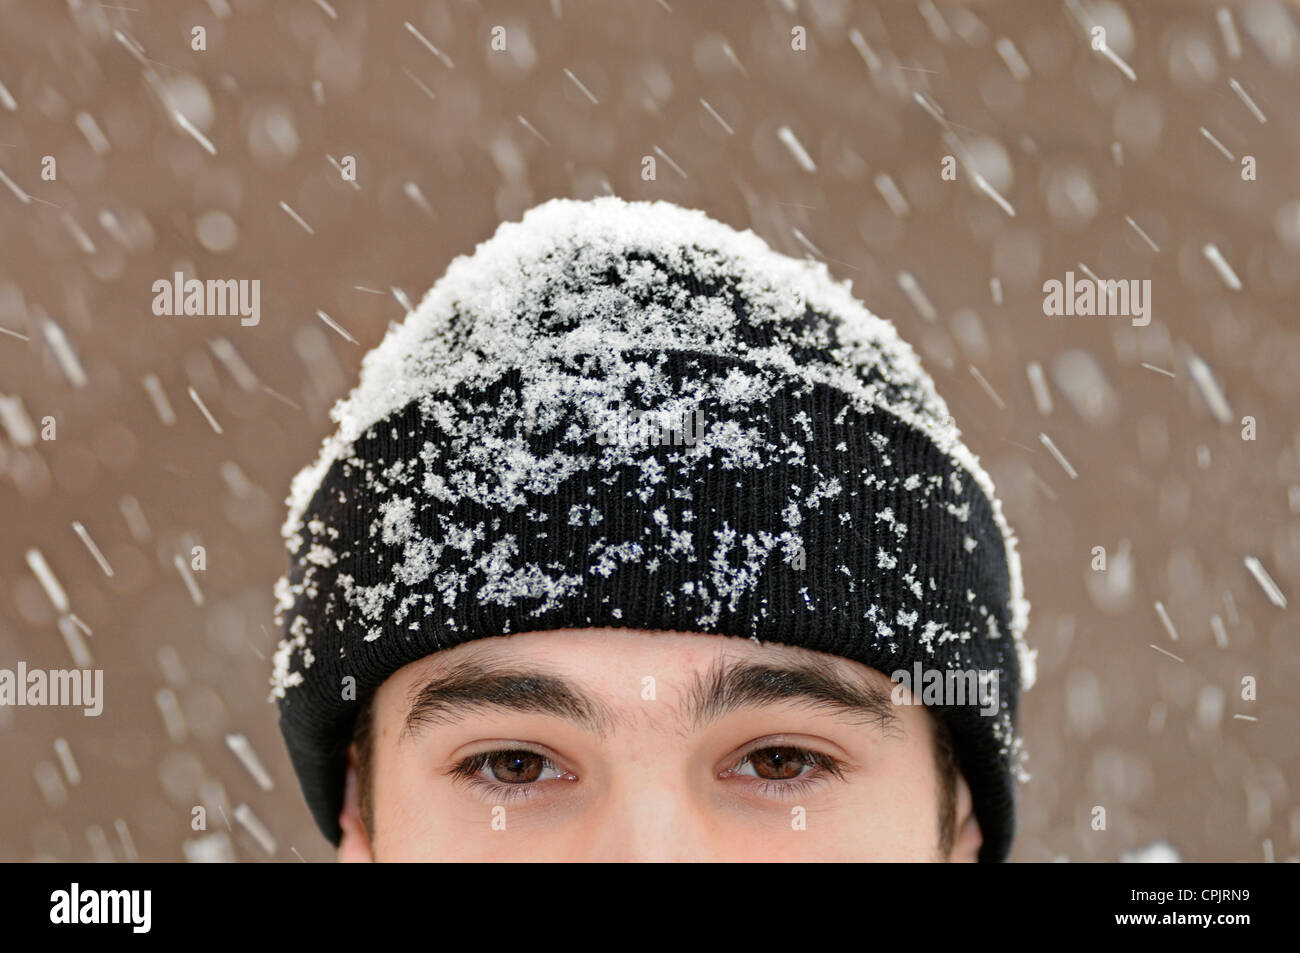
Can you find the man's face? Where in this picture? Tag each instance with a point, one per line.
(615, 745)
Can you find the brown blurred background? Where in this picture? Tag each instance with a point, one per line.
(451, 136)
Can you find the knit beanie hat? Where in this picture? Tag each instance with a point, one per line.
(628, 415)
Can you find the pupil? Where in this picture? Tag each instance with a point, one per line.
(516, 767)
(778, 764)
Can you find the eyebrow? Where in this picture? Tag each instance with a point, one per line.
(728, 687)
(732, 686)
(473, 686)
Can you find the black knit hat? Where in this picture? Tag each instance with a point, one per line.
(627, 415)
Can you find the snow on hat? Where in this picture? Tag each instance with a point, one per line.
(628, 415)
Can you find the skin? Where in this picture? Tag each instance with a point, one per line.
(646, 780)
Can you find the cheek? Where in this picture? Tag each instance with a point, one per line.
(421, 816)
(889, 816)
(423, 825)
(889, 810)
(410, 811)
(885, 820)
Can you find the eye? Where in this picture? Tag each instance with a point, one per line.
(518, 767)
(785, 763)
(504, 768)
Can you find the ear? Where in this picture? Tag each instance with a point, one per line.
(355, 847)
(966, 846)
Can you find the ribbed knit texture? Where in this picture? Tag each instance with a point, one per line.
(479, 484)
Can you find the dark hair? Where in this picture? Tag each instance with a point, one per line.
(363, 749)
(945, 760)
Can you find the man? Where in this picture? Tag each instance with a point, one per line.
(640, 541)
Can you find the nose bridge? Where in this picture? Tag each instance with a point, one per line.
(649, 815)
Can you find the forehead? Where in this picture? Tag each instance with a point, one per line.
(608, 659)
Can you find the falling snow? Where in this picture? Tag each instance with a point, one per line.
(177, 433)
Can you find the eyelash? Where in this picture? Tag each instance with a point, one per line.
(823, 767)
(467, 771)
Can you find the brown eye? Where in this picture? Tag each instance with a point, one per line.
(515, 767)
(778, 764)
